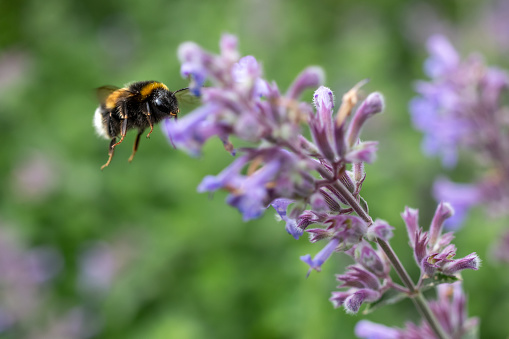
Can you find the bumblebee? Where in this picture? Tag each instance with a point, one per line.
(139, 105)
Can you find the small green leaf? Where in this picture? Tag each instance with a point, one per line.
(364, 204)
(436, 280)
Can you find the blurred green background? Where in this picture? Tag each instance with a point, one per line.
(134, 251)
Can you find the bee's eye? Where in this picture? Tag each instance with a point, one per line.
(161, 104)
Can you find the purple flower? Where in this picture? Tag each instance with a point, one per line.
(442, 213)
(380, 229)
(321, 124)
(317, 262)
(242, 104)
(433, 251)
(441, 110)
(420, 245)
(461, 108)
(348, 228)
(363, 152)
(411, 218)
(311, 77)
(308, 163)
(443, 57)
(202, 129)
(358, 278)
(471, 262)
(353, 299)
(370, 330)
(427, 115)
(281, 205)
(343, 232)
(373, 104)
(228, 178)
(370, 259)
(252, 193)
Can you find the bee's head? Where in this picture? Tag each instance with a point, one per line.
(164, 102)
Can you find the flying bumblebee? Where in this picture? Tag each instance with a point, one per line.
(139, 105)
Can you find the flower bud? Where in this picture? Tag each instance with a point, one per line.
(311, 77)
(353, 303)
(380, 229)
(443, 212)
(373, 104)
(411, 218)
(369, 259)
(471, 261)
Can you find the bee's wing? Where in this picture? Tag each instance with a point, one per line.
(186, 98)
(104, 92)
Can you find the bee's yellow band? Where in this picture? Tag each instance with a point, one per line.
(147, 89)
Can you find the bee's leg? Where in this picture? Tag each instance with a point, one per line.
(110, 152)
(149, 118)
(136, 143)
(123, 127)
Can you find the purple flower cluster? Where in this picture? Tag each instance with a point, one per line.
(449, 308)
(366, 281)
(313, 183)
(433, 251)
(27, 274)
(369, 278)
(278, 168)
(461, 108)
(23, 274)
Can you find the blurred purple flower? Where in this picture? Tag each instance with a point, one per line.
(461, 108)
(101, 263)
(370, 330)
(23, 273)
(443, 57)
(35, 177)
(461, 196)
(461, 100)
(97, 267)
